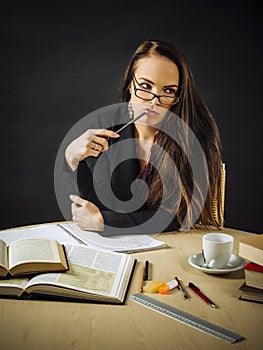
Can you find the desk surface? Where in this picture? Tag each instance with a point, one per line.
(65, 325)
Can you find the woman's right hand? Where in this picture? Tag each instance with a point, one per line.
(90, 144)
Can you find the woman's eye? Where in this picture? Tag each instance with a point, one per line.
(170, 91)
(145, 86)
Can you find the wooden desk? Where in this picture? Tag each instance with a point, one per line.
(61, 325)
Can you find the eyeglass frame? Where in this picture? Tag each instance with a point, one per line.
(154, 95)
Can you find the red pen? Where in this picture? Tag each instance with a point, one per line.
(201, 295)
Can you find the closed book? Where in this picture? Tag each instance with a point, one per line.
(254, 275)
(251, 248)
(251, 294)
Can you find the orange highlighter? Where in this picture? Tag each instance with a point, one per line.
(168, 286)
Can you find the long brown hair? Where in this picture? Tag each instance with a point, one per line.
(193, 111)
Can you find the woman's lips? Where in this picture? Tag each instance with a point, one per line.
(151, 112)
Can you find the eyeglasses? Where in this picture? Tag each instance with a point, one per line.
(149, 96)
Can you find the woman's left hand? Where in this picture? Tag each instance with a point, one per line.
(86, 215)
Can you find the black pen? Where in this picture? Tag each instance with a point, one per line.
(131, 121)
(201, 295)
(146, 270)
(181, 288)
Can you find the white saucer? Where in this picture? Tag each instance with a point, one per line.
(235, 263)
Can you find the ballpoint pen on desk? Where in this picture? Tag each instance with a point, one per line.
(181, 288)
(146, 271)
(196, 290)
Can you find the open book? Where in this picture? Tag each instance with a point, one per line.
(28, 256)
(93, 275)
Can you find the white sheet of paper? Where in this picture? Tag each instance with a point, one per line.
(41, 231)
(120, 243)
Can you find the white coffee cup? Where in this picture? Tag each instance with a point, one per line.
(217, 249)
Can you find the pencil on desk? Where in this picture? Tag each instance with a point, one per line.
(142, 279)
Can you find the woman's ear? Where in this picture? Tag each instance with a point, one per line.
(130, 89)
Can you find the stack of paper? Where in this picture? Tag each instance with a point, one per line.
(70, 233)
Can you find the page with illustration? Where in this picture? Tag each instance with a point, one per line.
(91, 271)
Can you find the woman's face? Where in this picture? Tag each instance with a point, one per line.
(157, 75)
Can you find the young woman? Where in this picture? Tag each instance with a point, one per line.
(159, 149)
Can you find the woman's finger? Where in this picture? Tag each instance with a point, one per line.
(96, 147)
(105, 133)
(77, 200)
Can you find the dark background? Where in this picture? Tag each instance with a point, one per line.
(60, 62)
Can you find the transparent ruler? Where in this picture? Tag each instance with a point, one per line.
(186, 318)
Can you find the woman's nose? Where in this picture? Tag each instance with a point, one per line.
(154, 101)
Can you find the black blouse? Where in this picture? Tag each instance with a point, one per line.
(109, 181)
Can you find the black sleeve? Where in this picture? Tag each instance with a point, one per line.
(145, 221)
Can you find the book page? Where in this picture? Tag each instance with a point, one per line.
(90, 270)
(3, 254)
(14, 282)
(101, 260)
(87, 278)
(37, 250)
